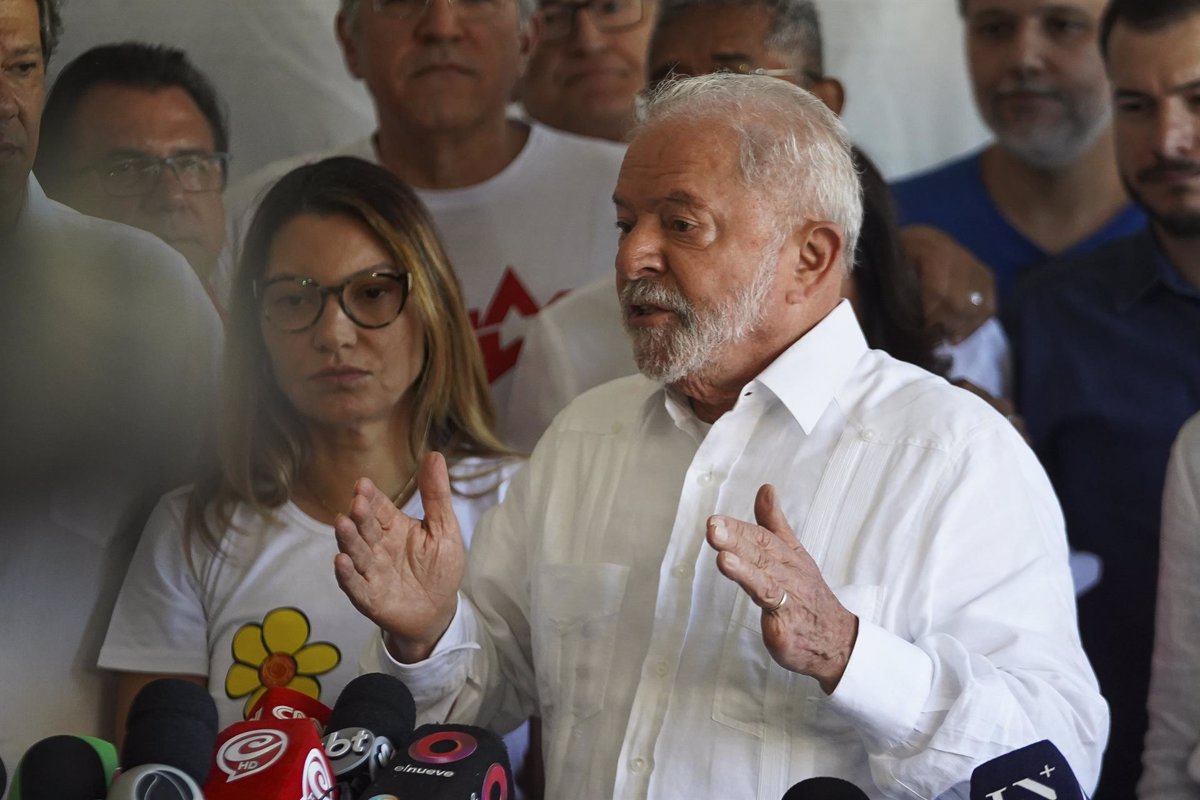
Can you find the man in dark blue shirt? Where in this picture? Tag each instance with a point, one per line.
(1108, 355)
(1047, 185)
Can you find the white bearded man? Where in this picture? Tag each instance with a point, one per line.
(899, 611)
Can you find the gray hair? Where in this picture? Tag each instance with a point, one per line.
(525, 9)
(795, 25)
(790, 145)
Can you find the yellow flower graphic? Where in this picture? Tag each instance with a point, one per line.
(277, 653)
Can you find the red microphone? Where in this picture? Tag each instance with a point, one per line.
(272, 759)
(279, 702)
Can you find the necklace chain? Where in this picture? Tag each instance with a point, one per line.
(396, 498)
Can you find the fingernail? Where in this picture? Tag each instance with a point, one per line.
(719, 534)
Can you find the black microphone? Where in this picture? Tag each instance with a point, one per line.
(1036, 772)
(3, 777)
(448, 762)
(372, 716)
(824, 788)
(64, 768)
(169, 739)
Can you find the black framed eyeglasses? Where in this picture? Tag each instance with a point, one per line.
(410, 9)
(369, 300)
(137, 175)
(558, 18)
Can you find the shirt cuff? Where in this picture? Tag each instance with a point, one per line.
(443, 673)
(884, 688)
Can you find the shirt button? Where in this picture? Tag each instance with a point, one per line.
(868, 435)
(706, 479)
(680, 571)
(617, 427)
(661, 669)
(637, 764)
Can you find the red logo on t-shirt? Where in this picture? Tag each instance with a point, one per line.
(511, 295)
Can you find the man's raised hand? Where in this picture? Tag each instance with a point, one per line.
(804, 627)
(403, 573)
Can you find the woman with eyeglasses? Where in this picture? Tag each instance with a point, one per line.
(349, 354)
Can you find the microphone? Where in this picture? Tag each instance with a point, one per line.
(169, 735)
(3, 777)
(448, 762)
(279, 702)
(373, 714)
(824, 788)
(171, 722)
(1036, 772)
(64, 768)
(270, 759)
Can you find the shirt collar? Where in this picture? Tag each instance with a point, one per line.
(1133, 281)
(805, 378)
(811, 372)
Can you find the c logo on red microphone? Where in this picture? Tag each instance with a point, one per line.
(443, 747)
(317, 781)
(251, 752)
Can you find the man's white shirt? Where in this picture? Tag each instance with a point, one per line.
(592, 599)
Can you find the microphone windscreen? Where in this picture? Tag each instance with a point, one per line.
(825, 788)
(1038, 770)
(60, 768)
(447, 762)
(3, 777)
(172, 722)
(379, 703)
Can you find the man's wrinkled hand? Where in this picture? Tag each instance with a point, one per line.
(403, 573)
(805, 628)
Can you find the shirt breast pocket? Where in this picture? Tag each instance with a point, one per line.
(753, 691)
(578, 608)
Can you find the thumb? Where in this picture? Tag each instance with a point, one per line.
(433, 483)
(767, 512)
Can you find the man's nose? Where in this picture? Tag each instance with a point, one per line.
(9, 105)
(586, 36)
(439, 20)
(639, 254)
(1027, 49)
(1177, 131)
(168, 191)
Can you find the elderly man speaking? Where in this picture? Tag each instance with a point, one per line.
(899, 611)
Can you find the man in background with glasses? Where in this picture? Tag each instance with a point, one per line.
(524, 211)
(135, 134)
(589, 65)
(108, 376)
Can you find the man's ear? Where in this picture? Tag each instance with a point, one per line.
(530, 34)
(830, 92)
(343, 28)
(817, 261)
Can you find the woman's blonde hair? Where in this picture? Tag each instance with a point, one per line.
(262, 441)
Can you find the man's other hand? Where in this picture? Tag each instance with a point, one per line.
(957, 290)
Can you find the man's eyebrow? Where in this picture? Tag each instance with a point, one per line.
(677, 197)
(1130, 94)
(731, 56)
(25, 50)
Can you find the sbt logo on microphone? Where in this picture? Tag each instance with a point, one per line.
(349, 747)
